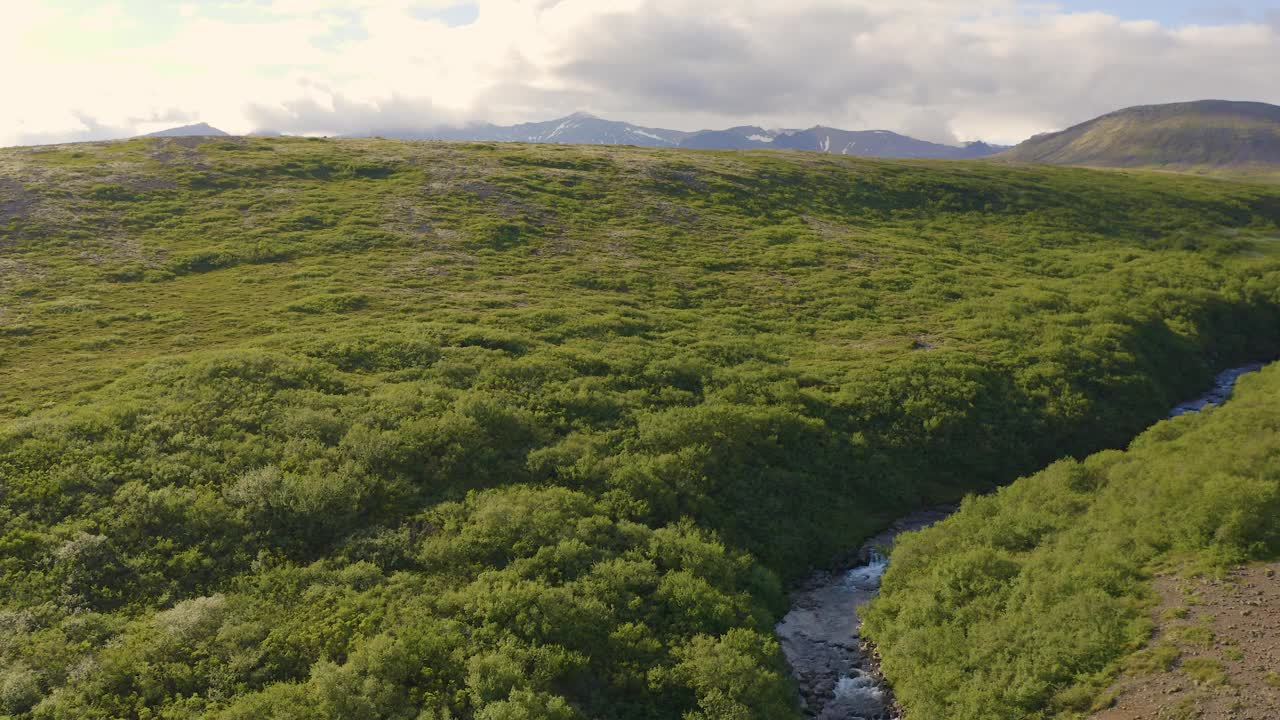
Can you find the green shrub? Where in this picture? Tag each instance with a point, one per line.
(1068, 602)
(560, 423)
(331, 303)
(67, 306)
(111, 193)
(1205, 671)
(19, 689)
(19, 330)
(1158, 658)
(500, 235)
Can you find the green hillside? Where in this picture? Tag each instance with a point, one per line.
(1023, 603)
(333, 429)
(1210, 136)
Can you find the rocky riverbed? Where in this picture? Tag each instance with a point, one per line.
(820, 638)
(837, 675)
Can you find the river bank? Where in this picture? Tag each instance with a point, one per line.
(837, 674)
(820, 638)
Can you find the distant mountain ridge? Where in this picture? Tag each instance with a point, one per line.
(1208, 135)
(878, 143)
(587, 129)
(576, 129)
(196, 130)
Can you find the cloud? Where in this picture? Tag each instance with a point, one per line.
(929, 125)
(331, 113)
(463, 13)
(733, 63)
(977, 70)
(79, 126)
(994, 69)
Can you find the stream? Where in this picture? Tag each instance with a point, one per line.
(837, 677)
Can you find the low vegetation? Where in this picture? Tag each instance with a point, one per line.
(1025, 602)
(302, 428)
(1212, 137)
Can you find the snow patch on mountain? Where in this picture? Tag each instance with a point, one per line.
(583, 128)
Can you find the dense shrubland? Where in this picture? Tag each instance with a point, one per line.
(368, 429)
(1024, 602)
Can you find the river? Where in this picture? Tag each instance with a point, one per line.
(819, 636)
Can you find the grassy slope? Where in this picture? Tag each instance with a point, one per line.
(1211, 137)
(249, 385)
(1023, 603)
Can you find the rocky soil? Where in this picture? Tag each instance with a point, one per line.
(1215, 653)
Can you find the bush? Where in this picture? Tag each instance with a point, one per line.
(1044, 585)
(333, 303)
(20, 689)
(544, 431)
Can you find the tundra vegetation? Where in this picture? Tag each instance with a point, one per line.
(1027, 602)
(333, 429)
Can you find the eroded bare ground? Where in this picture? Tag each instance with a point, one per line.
(1216, 652)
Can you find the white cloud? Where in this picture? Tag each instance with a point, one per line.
(995, 69)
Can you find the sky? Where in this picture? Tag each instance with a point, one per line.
(943, 70)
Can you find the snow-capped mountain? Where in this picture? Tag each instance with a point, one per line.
(877, 143)
(576, 129)
(738, 138)
(586, 129)
(583, 128)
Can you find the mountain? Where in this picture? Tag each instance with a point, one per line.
(197, 130)
(866, 143)
(877, 143)
(587, 129)
(1206, 135)
(576, 129)
(739, 138)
